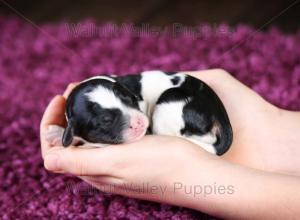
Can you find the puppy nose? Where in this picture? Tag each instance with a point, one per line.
(136, 122)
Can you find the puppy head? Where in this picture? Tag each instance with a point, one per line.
(101, 110)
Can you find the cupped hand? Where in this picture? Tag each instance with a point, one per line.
(265, 137)
(146, 169)
(262, 132)
(151, 167)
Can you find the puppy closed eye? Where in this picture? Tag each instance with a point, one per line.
(106, 118)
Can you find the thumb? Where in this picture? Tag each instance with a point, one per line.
(82, 162)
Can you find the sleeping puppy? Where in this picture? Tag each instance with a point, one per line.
(111, 110)
(101, 110)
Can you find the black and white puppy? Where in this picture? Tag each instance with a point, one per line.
(112, 110)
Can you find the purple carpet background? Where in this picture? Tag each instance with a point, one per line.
(36, 64)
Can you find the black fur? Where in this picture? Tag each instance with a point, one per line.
(132, 83)
(92, 122)
(202, 111)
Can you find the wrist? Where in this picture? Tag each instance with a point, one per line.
(200, 183)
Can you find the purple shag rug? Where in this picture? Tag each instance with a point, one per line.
(36, 64)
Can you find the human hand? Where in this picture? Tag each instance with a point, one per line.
(155, 162)
(163, 161)
(262, 132)
(264, 136)
(172, 170)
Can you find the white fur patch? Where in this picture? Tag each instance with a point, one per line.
(197, 140)
(167, 120)
(154, 83)
(99, 77)
(105, 98)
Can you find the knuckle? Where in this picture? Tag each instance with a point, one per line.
(79, 168)
(71, 86)
(45, 166)
(221, 72)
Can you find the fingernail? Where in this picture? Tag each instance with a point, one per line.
(51, 162)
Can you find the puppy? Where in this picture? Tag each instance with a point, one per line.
(111, 110)
(101, 110)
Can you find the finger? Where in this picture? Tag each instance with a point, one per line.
(201, 74)
(54, 114)
(103, 180)
(69, 89)
(220, 80)
(226, 86)
(104, 186)
(83, 162)
(133, 190)
(211, 76)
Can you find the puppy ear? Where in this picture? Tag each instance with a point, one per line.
(68, 134)
(124, 90)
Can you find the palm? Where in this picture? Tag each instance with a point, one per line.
(260, 134)
(252, 119)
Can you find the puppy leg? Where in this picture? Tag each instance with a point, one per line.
(92, 145)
